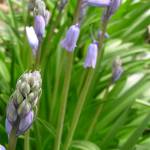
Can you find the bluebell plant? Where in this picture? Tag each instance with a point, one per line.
(22, 106)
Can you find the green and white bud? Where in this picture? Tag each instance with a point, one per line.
(23, 102)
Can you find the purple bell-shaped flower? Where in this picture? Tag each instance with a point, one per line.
(32, 39)
(39, 26)
(72, 35)
(91, 57)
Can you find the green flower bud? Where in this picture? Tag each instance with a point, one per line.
(17, 97)
(24, 108)
(19, 82)
(25, 88)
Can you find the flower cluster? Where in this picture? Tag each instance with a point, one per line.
(21, 109)
(36, 33)
(72, 35)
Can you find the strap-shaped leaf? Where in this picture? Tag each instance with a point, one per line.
(85, 145)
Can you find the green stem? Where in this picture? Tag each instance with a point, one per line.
(78, 110)
(84, 92)
(56, 86)
(27, 141)
(63, 102)
(97, 114)
(12, 139)
(12, 14)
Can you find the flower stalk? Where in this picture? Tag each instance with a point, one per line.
(63, 102)
(12, 139)
(84, 92)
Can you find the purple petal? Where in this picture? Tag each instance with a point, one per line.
(8, 126)
(26, 122)
(69, 43)
(32, 39)
(91, 57)
(39, 26)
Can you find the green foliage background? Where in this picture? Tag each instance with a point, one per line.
(124, 122)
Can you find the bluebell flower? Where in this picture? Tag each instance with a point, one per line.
(26, 122)
(72, 35)
(32, 39)
(39, 26)
(91, 57)
(99, 3)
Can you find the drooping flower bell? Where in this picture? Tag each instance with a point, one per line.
(2, 147)
(39, 26)
(117, 69)
(91, 58)
(99, 3)
(72, 35)
(32, 39)
(23, 102)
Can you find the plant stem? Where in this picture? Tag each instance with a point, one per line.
(78, 109)
(84, 92)
(63, 102)
(27, 141)
(12, 139)
(97, 114)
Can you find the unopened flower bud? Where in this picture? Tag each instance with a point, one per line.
(11, 112)
(41, 8)
(32, 39)
(21, 108)
(72, 35)
(17, 97)
(91, 57)
(39, 26)
(26, 122)
(24, 108)
(8, 126)
(25, 88)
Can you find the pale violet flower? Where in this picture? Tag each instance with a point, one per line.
(91, 58)
(72, 35)
(32, 39)
(26, 122)
(39, 26)
(99, 3)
